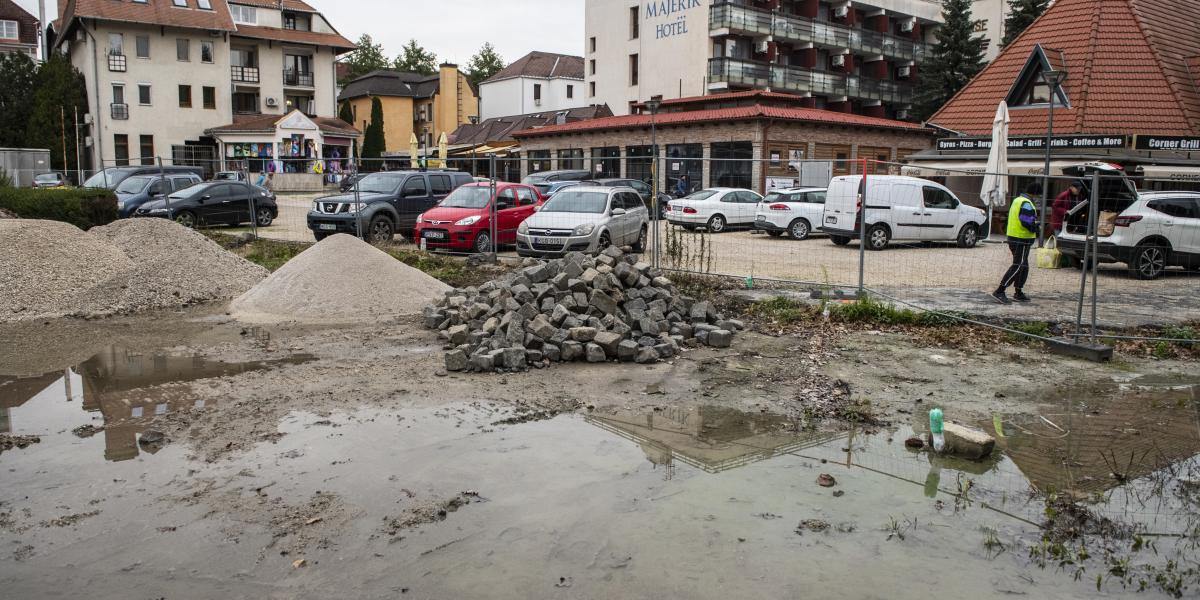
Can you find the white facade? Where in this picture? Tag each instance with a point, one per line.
(524, 95)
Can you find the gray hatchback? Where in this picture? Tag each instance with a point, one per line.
(585, 219)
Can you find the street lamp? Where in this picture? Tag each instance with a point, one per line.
(652, 106)
(1053, 79)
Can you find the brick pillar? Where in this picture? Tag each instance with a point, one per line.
(706, 155)
(878, 69)
(756, 168)
(621, 168)
(524, 166)
(809, 8)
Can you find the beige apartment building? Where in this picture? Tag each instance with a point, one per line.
(159, 73)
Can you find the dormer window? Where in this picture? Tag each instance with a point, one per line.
(245, 15)
(1030, 88)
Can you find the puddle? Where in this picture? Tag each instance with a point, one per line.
(118, 390)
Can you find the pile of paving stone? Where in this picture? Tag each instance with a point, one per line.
(576, 308)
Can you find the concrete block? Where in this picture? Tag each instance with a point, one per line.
(594, 352)
(966, 442)
(456, 360)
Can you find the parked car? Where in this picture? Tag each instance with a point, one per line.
(113, 176)
(544, 178)
(347, 184)
(1155, 231)
(215, 203)
(386, 203)
(643, 190)
(548, 190)
(463, 220)
(716, 209)
(898, 208)
(49, 180)
(585, 219)
(136, 191)
(793, 212)
(230, 176)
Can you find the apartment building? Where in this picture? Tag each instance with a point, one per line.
(160, 73)
(18, 30)
(413, 104)
(537, 82)
(852, 56)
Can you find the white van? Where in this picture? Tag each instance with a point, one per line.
(899, 208)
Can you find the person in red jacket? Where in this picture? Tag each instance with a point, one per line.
(1064, 203)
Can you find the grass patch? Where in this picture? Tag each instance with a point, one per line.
(451, 271)
(1038, 328)
(786, 311)
(702, 287)
(781, 310)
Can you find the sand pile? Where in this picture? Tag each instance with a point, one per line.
(339, 280)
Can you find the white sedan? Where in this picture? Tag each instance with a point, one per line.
(794, 212)
(715, 209)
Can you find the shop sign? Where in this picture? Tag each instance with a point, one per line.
(1173, 143)
(1062, 142)
(671, 16)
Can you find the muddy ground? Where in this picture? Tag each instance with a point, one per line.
(300, 461)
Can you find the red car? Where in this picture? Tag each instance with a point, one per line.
(463, 220)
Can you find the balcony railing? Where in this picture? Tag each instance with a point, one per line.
(119, 111)
(784, 27)
(244, 74)
(293, 77)
(117, 63)
(806, 81)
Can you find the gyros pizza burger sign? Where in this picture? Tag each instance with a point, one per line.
(669, 18)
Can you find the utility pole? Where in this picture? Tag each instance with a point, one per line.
(63, 132)
(42, 46)
(78, 157)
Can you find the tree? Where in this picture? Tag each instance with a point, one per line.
(58, 91)
(368, 57)
(18, 74)
(346, 113)
(1023, 14)
(956, 58)
(415, 59)
(484, 64)
(373, 143)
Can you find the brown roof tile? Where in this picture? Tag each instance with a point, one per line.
(544, 65)
(293, 5)
(27, 24)
(155, 12)
(251, 123)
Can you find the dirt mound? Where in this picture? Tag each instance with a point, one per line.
(52, 269)
(339, 280)
(174, 265)
(7, 214)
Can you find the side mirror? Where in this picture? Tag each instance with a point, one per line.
(205, 197)
(616, 212)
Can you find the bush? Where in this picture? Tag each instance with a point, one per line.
(82, 207)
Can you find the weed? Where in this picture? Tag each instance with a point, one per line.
(992, 543)
(782, 311)
(896, 529)
(1037, 328)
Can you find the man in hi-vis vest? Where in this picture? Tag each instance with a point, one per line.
(1022, 231)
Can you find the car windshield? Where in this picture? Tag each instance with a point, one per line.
(104, 178)
(191, 192)
(701, 195)
(134, 185)
(473, 196)
(572, 201)
(381, 183)
(226, 176)
(46, 178)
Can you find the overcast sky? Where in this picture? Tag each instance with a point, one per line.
(453, 29)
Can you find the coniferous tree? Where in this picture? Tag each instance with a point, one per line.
(18, 74)
(374, 143)
(368, 57)
(956, 58)
(58, 91)
(1024, 13)
(484, 64)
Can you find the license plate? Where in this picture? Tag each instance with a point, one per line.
(327, 226)
(548, 241)
(433, 235)
(831, 219)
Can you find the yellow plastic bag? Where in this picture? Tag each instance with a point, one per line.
(1048, 257)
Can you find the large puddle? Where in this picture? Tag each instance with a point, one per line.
(696, 502)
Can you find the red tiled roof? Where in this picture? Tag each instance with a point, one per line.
(740, 113)
(290, 35)
(1128, 63)
(27, 24)
(155, 12)
(266, 123)
(756, 94)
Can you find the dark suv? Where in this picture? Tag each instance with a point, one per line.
(387, 203)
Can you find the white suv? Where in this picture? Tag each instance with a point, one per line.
(1150, 233)
(794, 212)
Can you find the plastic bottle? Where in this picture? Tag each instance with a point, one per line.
(936, 429)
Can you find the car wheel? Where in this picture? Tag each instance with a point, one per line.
(604, 243)
(265, 218)
(799, 229)
(716, 224)
(688, 227)
(640, 245)
(839, 240)
(186, 218)
(320, 236)
(1149, 261)
(878, 237)
(380, 230)
(968, 236)
(483, 242)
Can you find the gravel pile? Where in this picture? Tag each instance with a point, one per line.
(577, 308)
(341, 279)
(7, 214)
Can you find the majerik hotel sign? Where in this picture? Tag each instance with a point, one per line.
(671, 16)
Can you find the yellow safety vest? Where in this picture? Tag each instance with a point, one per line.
(1016, 229)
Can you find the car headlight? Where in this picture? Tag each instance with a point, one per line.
(585, 229)
(523, 228)
(468, 221)
(353, 207)
(159, 211)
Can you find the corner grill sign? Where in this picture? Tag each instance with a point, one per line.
(1069, 142)
(669, 16)
(1167, 142)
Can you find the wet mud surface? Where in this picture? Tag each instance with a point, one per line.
(204, 459)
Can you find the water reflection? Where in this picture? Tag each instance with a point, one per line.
(123, 386)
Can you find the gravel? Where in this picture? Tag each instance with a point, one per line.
(341, 279)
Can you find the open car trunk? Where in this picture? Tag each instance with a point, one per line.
(1117, 194)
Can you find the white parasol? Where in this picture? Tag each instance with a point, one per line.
(994, 191)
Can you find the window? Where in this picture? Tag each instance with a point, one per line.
(209, 95)
(592, 89)
(938, 198)
(121, 149)
(204, 4)
(570, 91)
(185, 96)
(592, 67)
(142, 44)
(415, 186)
(440, 184)
(634, 21)
(731, 164)
(206, 52)
(118, 93)
(183, 50)
(1177, 207)
(506, 199)
(245, 102)
(570, 159)
(1030, 88)
(243, 14)
(537, 93)
(8, 30)
(147, 144)
(144, 93)
(525, 197)
(815, 197)
(182, 3)
(116, 44)
(592, 44)
(633, 69)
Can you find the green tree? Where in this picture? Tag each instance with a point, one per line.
(18, 74)
(58, 91)
(346, 113)
(414, 58)
(484, 64)
(374, 144)
(368, 57)
(957, 57)
(1023, 14)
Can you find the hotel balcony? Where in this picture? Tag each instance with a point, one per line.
(244, 74)
(119, 111)
(740, 19)
(294, 78)
(783, 78)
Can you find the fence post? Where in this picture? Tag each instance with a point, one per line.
(862, 232)
(253, 189)
(1088, 254)
(1094, 216)
(492, 216)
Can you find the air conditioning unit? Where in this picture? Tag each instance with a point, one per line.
(901, 114)
(763, 46)
(841, 12)
(839, 60)
(272, 103)
(908, 26)
(905, 71)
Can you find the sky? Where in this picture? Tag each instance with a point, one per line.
(452, 29)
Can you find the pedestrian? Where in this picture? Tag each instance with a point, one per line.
(1064, 203)
(1022, 230)
(681, 186)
